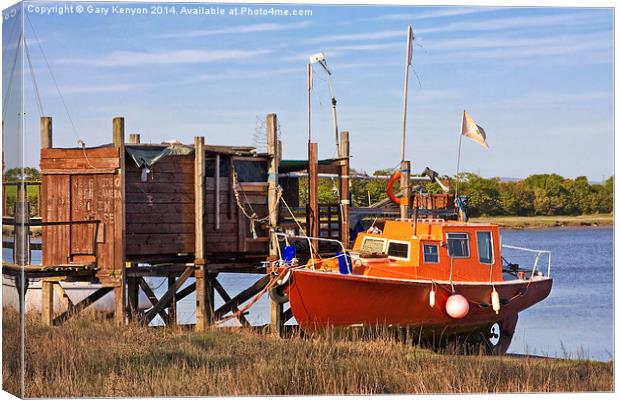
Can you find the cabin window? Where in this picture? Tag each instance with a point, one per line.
(398, 250)
(210, 167)
(251, 170)
(485, 247)
(373, 245)
(431, 254)
(458, 245)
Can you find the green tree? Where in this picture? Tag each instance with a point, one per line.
(26, 173)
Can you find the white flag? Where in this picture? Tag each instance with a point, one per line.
(473, 131)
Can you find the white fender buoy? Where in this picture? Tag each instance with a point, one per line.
(457, 306)
(431, 298)
(495, 301)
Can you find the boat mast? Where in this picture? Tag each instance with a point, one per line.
(407, 64)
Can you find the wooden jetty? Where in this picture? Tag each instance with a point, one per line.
(118, 213)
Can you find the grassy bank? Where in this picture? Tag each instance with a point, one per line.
(88, 358)
(516, 222)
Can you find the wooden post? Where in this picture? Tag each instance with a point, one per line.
(202, 306)
(46, 133)
(405, 187)
(172, 309)
(272, 193)
(133, 296)
(47, 302)
(120, 293)
(345, 203)
(134, 138)
(218, 201)
(313, 190)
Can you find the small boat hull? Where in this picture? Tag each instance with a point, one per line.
(327, 299)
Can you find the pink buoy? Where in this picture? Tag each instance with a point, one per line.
(457, 306)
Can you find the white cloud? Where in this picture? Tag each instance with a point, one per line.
(439, 12)
(377, 35)
(187, 56)
(255, 28)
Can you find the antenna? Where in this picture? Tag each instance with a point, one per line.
(320, 59)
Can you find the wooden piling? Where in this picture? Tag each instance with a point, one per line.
(313, 190)
(46, 133)
(273, 148)
(172, 309)
(47, 302)
(405, 187)
(202, 303)
(345, 202)
(134, 138)
(133, 296)
(272, 179)
(120, 295)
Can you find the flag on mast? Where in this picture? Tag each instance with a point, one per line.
(473, 131)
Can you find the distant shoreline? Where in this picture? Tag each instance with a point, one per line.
(554, 221)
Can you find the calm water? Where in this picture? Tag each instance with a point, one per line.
(576, 320)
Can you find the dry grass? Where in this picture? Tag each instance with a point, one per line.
(87, 358)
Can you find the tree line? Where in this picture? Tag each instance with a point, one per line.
(539, 194)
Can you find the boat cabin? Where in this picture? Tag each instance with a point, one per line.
(430, 249)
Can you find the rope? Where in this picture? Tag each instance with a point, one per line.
(34, 80)
(253, 217)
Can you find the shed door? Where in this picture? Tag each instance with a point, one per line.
(83, 208)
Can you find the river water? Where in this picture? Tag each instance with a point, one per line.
(575, 321)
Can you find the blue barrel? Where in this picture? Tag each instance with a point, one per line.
(343, 259)
(289, 253)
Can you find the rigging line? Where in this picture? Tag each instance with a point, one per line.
(9, 88)
(34, 80)
(53, 78)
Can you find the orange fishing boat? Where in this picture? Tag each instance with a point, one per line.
(443, 277)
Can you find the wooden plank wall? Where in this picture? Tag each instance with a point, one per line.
(234, 235)
(160, 211)
(79, 184)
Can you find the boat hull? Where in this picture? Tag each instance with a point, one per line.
(325, 299)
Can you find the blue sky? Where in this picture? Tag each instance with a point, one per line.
(539, 80)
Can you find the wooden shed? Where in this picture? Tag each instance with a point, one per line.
(130, 203)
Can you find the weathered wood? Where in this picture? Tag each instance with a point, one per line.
(199, 210)
(134, 249)
(202, 311)
(78, 152)
(133, 296)
(46, 133)
(159, 187)
(47, 303)
(224, 295)
(217, 193)
(276, 310)
(312, 219)
(154, 301)
(134, 138)
(168, 296)
(272, 179)
(146, 198)
(156, 227)
(242, 297)
(345, 202)
(77, 308)
(118, 139)
(97, 171)
(172, 308)
(405, 185)
(62, 295)
(79, 163)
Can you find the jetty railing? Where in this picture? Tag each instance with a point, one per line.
(538, 253)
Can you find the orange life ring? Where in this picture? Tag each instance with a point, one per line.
(390, 188)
